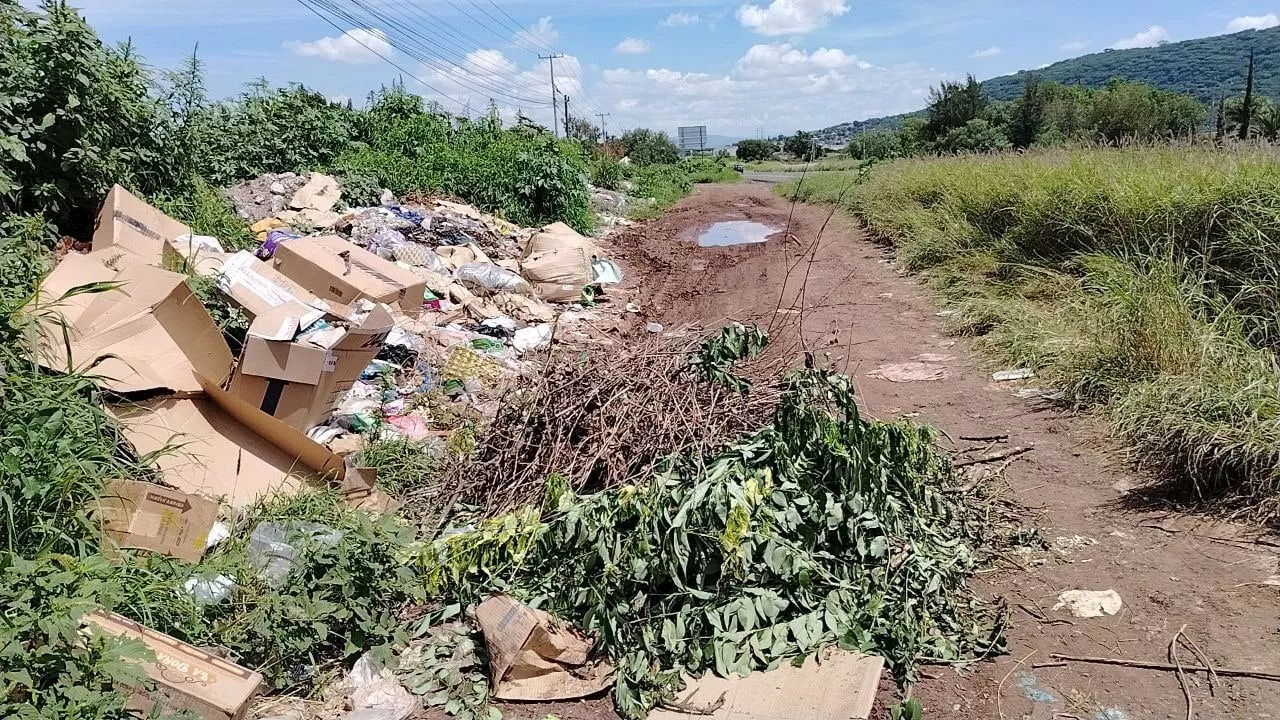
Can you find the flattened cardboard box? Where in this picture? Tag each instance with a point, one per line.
(146, 516)
(186, 678)
(334, 269)
(841, 686)
(229, 449)
(147, 333)
(299, 383)
(534, 657)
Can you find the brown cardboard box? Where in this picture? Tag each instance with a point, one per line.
(299, 382)
(334, 269)
(129, 224)
(186, 678)
(229, 449)
(150, 517)
(146, 332)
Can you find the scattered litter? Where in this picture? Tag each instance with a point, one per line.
(209, 591)
(272, 549)
(533, 657)
(933, 358)
(1028, 393)
(1067, 545)
(1008, 375)
(606, 272)
(633, 308)
(910, 372)
(885, 296)
(375, 693)
(1027, 682)
(653, 327)
(1090, 603)
(534, 337)
(219, 532)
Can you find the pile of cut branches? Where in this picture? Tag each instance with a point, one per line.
(603, 421)
(820, 528)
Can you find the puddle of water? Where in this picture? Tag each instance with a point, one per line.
(735, 232)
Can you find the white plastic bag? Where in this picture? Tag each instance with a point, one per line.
(487, 278)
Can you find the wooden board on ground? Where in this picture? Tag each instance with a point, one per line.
(841, 687)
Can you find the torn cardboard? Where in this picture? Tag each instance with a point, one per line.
(534, 657)
(320, 193)
(147, 333)
(221, 447)
(185, 677)
(334, 269)
(145, 516)
(841, 686)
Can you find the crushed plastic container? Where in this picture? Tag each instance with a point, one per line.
(273, 546)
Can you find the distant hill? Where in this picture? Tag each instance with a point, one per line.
(1202, 68)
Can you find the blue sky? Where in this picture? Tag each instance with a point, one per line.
(770, 66)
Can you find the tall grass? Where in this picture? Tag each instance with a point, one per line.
(1141, 281)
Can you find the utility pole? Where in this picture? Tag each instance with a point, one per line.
(604, 134)
(566, 117)
(551, 60)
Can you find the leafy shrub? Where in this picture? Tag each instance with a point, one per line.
(360, 189)
(205, 209)
(755, 150)
(48, 668)
(649, 147)
(876, 145)
(709, 170)
(607, 172)
(76, 116)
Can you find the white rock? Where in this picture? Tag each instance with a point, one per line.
(1090, 603)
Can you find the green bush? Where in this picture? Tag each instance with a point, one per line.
(649, 147)
(755, 150)
(607, 172)
(709, 170)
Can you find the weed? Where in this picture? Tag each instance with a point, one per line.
(1138, 280)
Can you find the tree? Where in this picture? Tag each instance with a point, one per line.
(803, 146)
(875, 145)
(1247, 106)
(911, 137)
(583, 131)
(976, 136)
(1027, 115)
(649, 147)
(953, 105)
(755, 150)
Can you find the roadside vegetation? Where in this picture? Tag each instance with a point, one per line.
(1140, 281)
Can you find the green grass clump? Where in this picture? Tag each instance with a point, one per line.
(1141, 281)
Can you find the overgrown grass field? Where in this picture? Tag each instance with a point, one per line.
(1141, 281)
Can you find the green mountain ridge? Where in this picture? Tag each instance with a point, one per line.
(1205, 68)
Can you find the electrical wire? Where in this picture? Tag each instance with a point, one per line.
(401, 38)
(389, 61)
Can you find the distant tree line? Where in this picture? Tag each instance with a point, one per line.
(960, 118)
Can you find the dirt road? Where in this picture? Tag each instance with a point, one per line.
(1170, 570)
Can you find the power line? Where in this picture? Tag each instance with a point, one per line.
(604, 134)
(401, 37)
(551, 60)
(424, 83)
(523, 32)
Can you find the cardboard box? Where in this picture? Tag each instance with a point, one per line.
(186, 678)
(131, 225)
(334, 269)
(146, 332)
(299, 382)
(276, 303)
(223, 447)
(146, 516)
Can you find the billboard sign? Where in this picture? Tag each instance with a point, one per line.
(693, 137)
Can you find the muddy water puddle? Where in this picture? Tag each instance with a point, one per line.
(735, 232)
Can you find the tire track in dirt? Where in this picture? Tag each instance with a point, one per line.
(858, 313)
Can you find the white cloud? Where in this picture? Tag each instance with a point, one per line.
(358, 46)
(543, 32)
(780, 86)
(1253, 22)
(1075, 45)
(681, 19)
(989, 52)
(790, 17)
(632, 46)
(1150, 37)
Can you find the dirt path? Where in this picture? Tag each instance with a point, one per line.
(1170, 570)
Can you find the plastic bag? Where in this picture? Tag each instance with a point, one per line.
(486, 278)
